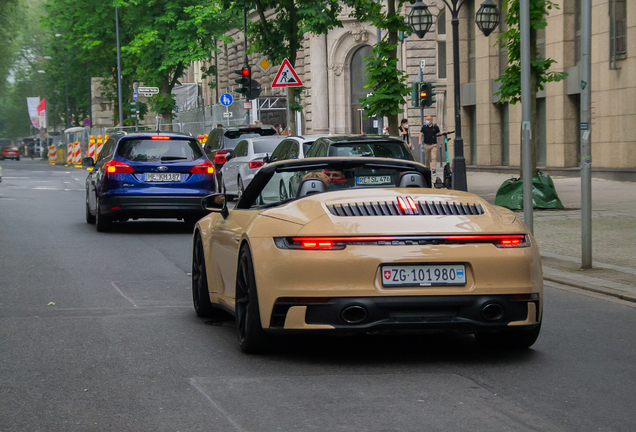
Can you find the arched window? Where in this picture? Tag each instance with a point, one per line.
(358, 81)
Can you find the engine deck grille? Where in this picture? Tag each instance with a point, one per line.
(394, 208)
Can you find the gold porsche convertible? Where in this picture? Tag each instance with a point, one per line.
(346, 245)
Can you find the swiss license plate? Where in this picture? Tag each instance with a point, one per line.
(373, 180)
(424, 275)
(162, 177)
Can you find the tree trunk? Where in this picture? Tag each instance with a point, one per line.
(392, 40)
(165, 90)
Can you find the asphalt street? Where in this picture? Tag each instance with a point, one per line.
(97, 333)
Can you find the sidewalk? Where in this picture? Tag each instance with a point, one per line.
(558, 233)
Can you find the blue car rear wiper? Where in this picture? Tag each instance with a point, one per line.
(169, 158)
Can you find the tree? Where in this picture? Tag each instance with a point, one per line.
(280, 29)
(386, 82)
(510, 90)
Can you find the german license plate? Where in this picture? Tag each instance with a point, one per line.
(424, 275)
(373, 180)
(162, 177)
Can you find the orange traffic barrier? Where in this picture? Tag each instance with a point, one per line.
(69, 153)
(77, 154)
(99, 145)
(52, 155)
(205, 138)
(91, 146)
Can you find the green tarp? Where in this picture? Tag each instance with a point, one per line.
(544, 195)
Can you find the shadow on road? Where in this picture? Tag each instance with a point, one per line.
(382, 349)
(150, 227)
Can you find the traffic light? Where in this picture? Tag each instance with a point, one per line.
(427, 93)
(245, 80)
(250, 88)
(134, 109)
(415, 94)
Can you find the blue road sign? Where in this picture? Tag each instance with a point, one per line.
(135, 96)
(226, 99)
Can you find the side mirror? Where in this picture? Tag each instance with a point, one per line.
(216, 203)
(228, 156)
(88, 162)
(266, 159)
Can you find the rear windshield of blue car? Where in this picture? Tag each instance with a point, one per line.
(157, 150)
(393, 150)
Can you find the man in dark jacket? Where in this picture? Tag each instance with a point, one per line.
(429, 132)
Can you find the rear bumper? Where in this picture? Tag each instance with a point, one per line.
(135, 206)
(463, 312)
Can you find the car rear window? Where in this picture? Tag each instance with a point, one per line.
(393, 150)
(306, 146)
(234, 136)
(266, 146)
(154, 150)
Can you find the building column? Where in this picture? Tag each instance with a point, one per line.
(319, 84)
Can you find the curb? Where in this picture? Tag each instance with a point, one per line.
(593, 288)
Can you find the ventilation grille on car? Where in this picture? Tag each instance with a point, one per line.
(405, 206)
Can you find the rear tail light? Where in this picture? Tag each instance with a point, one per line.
(337, 243)
(115, 167)
(203, 168)
(160, 138)
(256, 164)
(220, 157)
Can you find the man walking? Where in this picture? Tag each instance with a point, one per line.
(429, 132)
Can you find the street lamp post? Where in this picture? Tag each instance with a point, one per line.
(487, 19)
(68, 110)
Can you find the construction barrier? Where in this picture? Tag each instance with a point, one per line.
(52, 155)
(69, 153)
(91, 146)
(77, 154)
(100, 144)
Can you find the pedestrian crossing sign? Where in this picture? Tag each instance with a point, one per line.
(286, 76)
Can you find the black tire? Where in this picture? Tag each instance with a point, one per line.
(510, 339)
(89, 217)
(200, 292)
(18, 159)
(102, 223)
(252, 337)
(239, 187)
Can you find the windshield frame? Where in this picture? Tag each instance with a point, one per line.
(263, 176)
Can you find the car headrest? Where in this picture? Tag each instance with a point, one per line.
(411, 179)
(311, 186)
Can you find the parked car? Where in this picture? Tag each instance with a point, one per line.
(381, 252)
(223, 139)
(246, 159)
(147, 175)
(293, 147)
(10, 152)
(360, 145)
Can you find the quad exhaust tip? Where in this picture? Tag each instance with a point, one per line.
(492, 312)
(354, 314)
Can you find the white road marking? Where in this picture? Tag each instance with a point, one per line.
(122, 294)
(215, 405)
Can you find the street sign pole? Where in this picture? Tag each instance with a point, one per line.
(586, 128)
(135, 97)
(420, 78)
(526, 113)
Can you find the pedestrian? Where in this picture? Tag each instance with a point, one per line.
(404, 132)
(219, 125)
(386, 130)
(285, 131)
(257, 122)
(279, 128)
(429, 132)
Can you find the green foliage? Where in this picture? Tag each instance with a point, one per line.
(510, 90)
(385, 81)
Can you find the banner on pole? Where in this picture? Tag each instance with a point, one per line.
(32, 103)
(42, 113)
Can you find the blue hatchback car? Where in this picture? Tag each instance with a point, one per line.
(147, 175)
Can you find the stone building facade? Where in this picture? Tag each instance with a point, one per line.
(491, 130)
